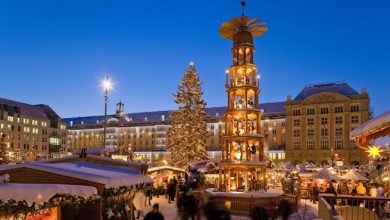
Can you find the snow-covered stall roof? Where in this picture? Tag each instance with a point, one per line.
(110, 176)
(324, 173)
(142, 167)
(41, 193)
(376, 124)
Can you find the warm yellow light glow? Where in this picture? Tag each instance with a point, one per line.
(237, 155)
(106, 84)
(374, 151)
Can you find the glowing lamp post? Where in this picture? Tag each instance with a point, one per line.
(107, 86)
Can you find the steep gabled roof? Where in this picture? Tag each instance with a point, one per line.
(36, 111)
(340, 88)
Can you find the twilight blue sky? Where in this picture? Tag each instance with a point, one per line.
(55, 52)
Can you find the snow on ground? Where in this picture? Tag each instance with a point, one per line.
(169, 210)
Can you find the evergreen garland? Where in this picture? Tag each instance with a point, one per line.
(20, 209)
(117, 202)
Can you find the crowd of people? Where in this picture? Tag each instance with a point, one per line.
(374, 190)
(175, 190)
(349, 188)
(181, 191)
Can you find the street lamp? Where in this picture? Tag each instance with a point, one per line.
(107, 86)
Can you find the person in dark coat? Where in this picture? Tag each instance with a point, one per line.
(315, 194)
(259, 213)
(172, 190)
(212, 213)
(331, 190)
(155, 214)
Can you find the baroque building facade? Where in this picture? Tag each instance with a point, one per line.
(31, 131)
(318, 123)
(144, 133)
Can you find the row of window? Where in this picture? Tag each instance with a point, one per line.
(25, 129)
(27, 121)
(325, 110)
(324, 145)
(325, 121)
(27, 146)
(324, 132)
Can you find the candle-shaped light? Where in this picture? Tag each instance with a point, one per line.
(227, 76)
(258, 80)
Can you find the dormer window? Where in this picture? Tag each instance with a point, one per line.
(162, 117)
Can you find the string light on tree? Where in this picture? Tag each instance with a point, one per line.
(188, 123)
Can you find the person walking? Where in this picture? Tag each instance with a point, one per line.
(315, 194)
(148, 194)
(331, 190)
(171, 190)
(155, 214)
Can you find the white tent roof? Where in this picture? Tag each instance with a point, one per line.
(353, 175)
(41, 193)
(378, 122)
(324, 174)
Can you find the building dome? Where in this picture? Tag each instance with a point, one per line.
(243, 37)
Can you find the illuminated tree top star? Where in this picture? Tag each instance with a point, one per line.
(374, 151)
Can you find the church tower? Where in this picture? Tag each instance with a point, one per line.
(242, 167)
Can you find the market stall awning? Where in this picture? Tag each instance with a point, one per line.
(353, 175)
(324, 173)
(41, 193)
(372, 129)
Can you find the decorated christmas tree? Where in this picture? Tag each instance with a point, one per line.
(187, 134)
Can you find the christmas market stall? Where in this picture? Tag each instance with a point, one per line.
(161, 176)
(206, 172)
(115, 183)
(354, 175)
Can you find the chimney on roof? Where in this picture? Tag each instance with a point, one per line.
(364, 93)
(288, 99)
(120, 108)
